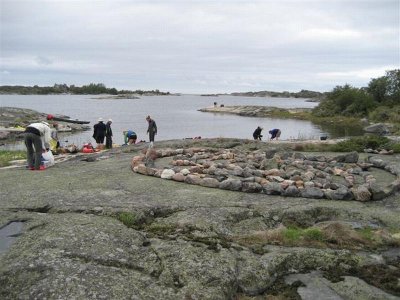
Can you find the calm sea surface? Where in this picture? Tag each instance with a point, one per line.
(177, 117)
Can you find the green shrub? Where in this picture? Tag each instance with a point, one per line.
(128, 219)
(394, 146)
(360, 143)
(292, 234)
(313, 234)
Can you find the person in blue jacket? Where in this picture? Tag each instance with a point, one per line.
(275, 133)
(130, 137)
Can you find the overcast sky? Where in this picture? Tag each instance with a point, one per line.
(199, 46)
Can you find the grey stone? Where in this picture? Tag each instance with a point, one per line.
(377, 162)
(362, 193)
(339, 194)
(378, 128)
(210, 182)
(251, 187)
(312, 192)
(379, 192)
(393, 168)
(167, 174)
(193, 179)
(291, 191)
(231, 184)
(273, 188)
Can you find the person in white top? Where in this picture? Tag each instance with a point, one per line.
(37, 140)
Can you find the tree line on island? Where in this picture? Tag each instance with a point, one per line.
(379, 101)
(90, 89)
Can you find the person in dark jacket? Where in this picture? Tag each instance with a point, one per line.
(257, 133)
(109, 134)
(99, 133)
(152, 129)
(275, 133)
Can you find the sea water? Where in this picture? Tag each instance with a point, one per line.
(177, 117)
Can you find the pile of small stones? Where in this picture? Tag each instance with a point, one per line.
(290, 174)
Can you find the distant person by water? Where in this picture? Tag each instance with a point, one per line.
(130, 137)
(109, 134)
(99, 133)
(257, 133)
(275, 133)
(152, 129)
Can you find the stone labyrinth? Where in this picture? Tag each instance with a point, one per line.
(290, 174)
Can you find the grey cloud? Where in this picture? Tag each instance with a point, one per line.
(197, 46)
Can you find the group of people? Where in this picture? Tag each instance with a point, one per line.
(275, 133)
(103, 131)
(38, 137)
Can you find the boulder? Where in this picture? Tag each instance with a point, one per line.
(231, 184)
(361, 193)
(193, 179)
(378, 128)
(210, 182)
(377, 162)
(178, 177)
(341, 193)
(167, 174)
(291, 191)
(312, 192)
(273, 188)
(251, 187)
(379, 192)
(351, 157)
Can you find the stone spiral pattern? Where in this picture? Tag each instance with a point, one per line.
(290, 174)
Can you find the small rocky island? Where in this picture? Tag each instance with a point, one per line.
(256, 111)
(14, 120)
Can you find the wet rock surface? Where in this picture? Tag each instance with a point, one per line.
(96, 230)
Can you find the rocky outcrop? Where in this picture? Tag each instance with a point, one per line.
(106, 232)
(379, 128)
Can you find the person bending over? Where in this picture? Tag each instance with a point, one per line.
(130, 137)
(257, 133)
(275, 133)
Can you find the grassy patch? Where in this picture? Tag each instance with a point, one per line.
(333, 235)
(128, 219)
(161, 229)
(360, 143)
(7, 156)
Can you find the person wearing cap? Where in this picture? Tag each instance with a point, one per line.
(99, 132)
(257, 133)
(152, 129)
(109, 134)
(37, 137)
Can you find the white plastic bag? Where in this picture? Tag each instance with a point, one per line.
(48, 159)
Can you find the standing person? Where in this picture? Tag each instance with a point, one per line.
(37, 141)
(130, 137)
(109, 134)
(152, 129)
(257, 133)
(275, 133)
(99, 132)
